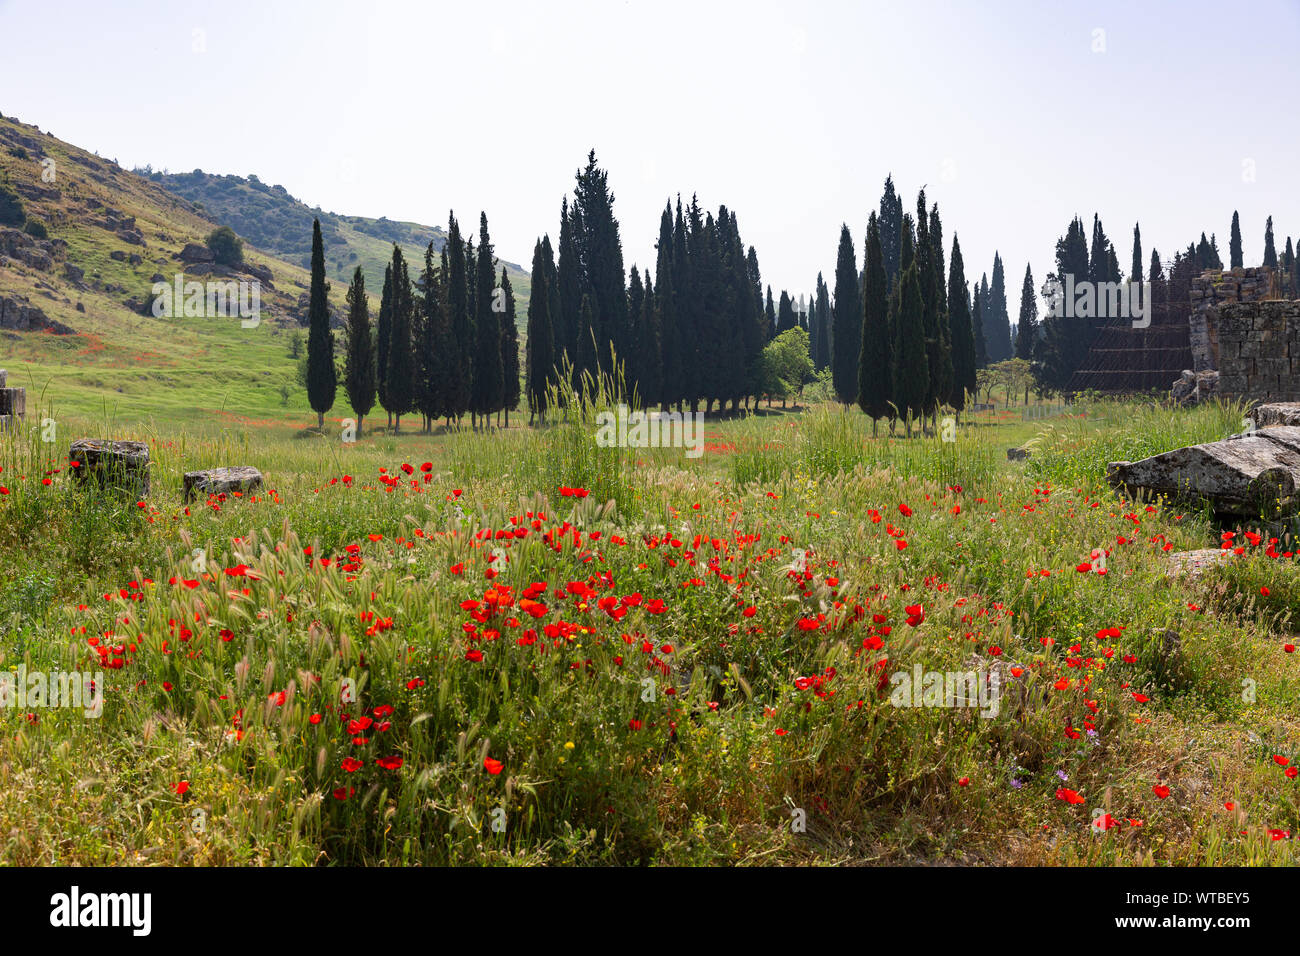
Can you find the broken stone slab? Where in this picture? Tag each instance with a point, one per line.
(110, 464)
(4, 377)
(223, 480)
(1017, 454)
(1253, 475)
(1276, 413)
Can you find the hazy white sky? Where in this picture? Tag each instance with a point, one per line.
(1016, 115)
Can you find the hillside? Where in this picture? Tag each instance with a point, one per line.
(74, 326)
(272, 219)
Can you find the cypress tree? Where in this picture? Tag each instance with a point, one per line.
(911, 365)
(1234, 243)
(433, 346)
(875, 356)
(539, 366)
(891, 230)
(785, 316)
(846, 326)
(769, 314)
(1270, 251)
(1027, 324)
(1135, 274)
(977, 322)
(649, 384)
(570, 281)
(1156, 273)
(401, 354)
(383, 333)
(359, 378)
(996, 319)
(602, 257)
(322, 380)
(961, 331)
(509, 349)
(587, 363)
(489, 385)
(823, 312)
(461, 321)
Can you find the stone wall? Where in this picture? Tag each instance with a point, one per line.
(1258, 345)
(1210, 292)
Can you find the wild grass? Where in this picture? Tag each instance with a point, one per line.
(427, 622)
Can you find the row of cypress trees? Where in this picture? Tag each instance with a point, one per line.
(692, 332)
(915, 348)
(443, 345)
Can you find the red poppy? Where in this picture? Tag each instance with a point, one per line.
(493, 767)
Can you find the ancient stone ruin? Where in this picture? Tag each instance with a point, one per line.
(224, 480)
(1251, 475)
(111, 465)
(1244, 331)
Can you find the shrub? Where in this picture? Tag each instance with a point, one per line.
(227, 247)
(11, 207)
(37, 229)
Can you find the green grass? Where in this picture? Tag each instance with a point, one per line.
(797, 516)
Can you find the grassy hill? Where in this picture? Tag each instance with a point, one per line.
(111, 234)
(272, 219)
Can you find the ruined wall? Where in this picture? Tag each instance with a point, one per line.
(1259, 350)
(1210, 292)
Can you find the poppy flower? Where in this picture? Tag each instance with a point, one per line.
(1160, 790)
(493, 767)
(181, 788)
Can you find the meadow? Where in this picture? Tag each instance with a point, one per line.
(520, 647)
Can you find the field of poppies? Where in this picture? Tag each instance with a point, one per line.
(525, 648)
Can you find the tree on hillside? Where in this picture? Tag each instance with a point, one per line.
(875, 357)
(226, 247)
(322, 380)
(846, 327)
(539, 365)
(359, 376)
(1234, 243)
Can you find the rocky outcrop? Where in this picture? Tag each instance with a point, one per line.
(1253, 475)
(40, 254)
(1276, 413)
(193, 252)
(19, 315)
(224, 480)
(111, 465)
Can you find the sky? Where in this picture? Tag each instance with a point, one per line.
(1015, 116)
